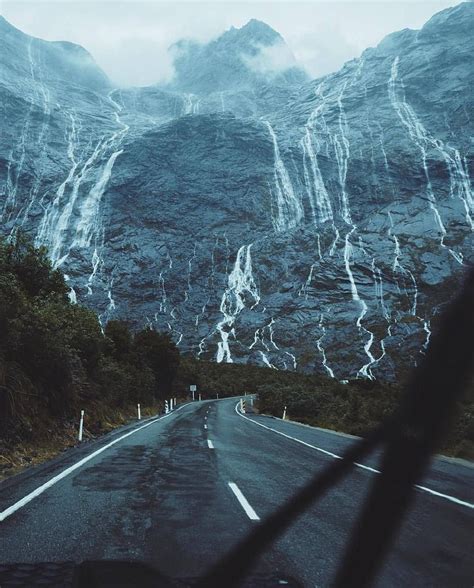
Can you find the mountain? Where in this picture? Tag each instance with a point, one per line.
(239, 59)
(257, 215)
(58, 63)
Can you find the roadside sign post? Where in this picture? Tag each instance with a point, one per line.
(81, 425)
(284, 413)
(193, 389)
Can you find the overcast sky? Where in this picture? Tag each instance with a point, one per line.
(129, 39)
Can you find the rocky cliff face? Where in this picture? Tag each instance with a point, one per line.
(256, 215)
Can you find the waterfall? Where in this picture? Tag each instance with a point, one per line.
(240, 282)
(289, 208)
(316, 190)
(459, 177)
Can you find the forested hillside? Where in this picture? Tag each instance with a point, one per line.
(55, 357)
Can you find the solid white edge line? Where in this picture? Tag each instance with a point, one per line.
(359, 465)
(210, 444)
(244, 502)
(29, 497)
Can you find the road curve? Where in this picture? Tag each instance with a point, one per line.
(181, 491)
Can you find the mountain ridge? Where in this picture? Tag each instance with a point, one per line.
(237, 217)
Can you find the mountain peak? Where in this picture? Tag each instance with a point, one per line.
(240, 58)
(260, 31)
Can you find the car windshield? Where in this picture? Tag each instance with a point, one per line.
(236, 293)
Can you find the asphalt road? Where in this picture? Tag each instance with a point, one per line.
(181, 491)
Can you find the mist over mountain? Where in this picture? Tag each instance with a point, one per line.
(257, 215)
(61, 62)
(239, 59)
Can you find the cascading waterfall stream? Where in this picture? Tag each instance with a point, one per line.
(211, 285)
(266, 361)
(89, 227)
(318, 196)
(348, 252)
(89, 212)
(378, 286)
(397, 266)
(55, 225)
(289, 208)
(42, 95)
(259, 337)
(190, 104)
(459, 177)
(96, 263)
(72, 293)
(162, 306)
(322, 351)
(18, 151)
(89, 220)
(240, 282)
(426, 328)
(320, 201)
(293, 359)
(342, 152)
(190, 267)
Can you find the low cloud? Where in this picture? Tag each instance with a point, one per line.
(270, 59)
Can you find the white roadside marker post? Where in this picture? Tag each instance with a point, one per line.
(167, 409)
(175, 402)
(199, 397)
(217, 396)
(242, 405)
(284, 413)
(81, 425)
(139, 412)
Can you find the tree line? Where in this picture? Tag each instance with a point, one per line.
(55, 357)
